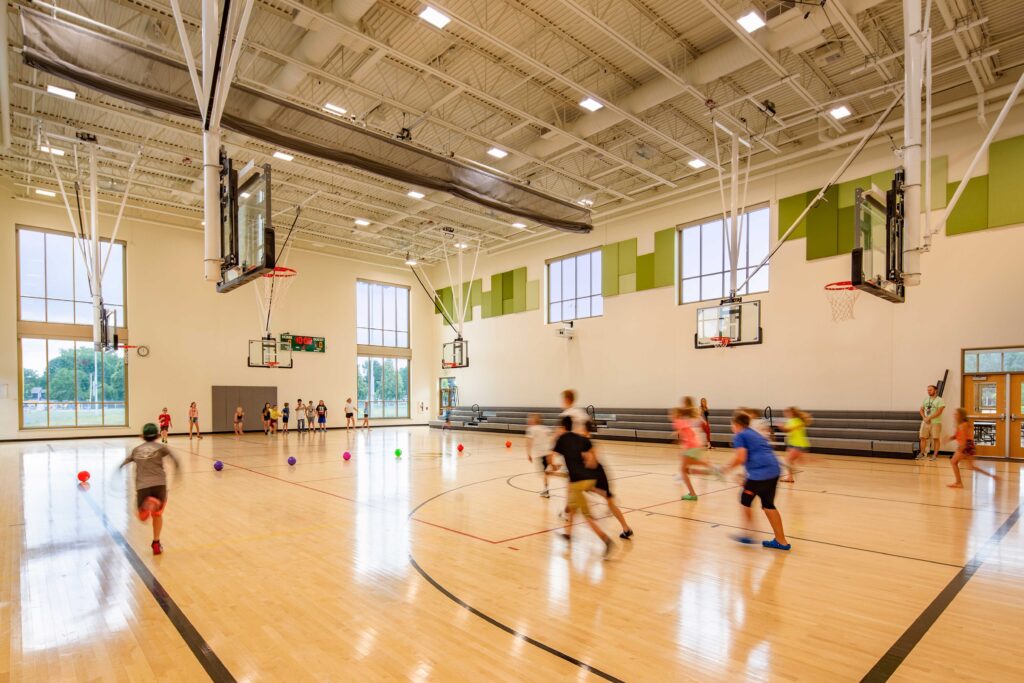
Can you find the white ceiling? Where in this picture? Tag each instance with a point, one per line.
(507, 74)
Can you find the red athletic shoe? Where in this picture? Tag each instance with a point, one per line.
(157, 548)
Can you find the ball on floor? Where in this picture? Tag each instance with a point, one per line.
(508, 444)
(347, 455)
(83, 476)
(291, 460)
(460, 448)
(218, 465)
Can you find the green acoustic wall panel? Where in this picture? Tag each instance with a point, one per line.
(789, 211)
(844, 236)
(627, 257)
(940, 178)
(476, 293)
(507, 286)
(627, 283)
(486, 309)
(506, 307)
(497, 296)
(448, 300)
(533, 295)
(645, 272)
(971, 212)
(848, 190)
(610, 269)
(664, 257)
(1005, 186)
(519, 290)
(822, 225)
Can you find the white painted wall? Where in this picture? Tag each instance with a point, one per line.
(199, 338)
(641, 353)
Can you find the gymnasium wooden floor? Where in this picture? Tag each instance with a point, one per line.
(447, 567)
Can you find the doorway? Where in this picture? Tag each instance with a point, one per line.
(448, 394)
(993, 394)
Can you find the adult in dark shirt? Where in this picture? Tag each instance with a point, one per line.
(581, 465)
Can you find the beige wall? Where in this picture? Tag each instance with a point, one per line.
(199, 338)
(641, 354)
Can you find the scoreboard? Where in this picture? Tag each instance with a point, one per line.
(302, 343)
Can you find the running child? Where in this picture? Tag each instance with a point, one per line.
(687, 425)
(350, 414)
(797, 443)
(755, 454)
(164, 420)
(578, 453)
(239, 420)
(538, 442)
(300, 416)
(603, 488)
(321, 416)
(151, 480)
(193, 421)
(286, 413)
(964, 449)
(578, 415)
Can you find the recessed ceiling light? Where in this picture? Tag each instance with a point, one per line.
(410, 261)
(840, 112)
(62, 92)
(362, 221)
(497, 153)
(51, 150)
(461, 245)
(432, 16)
(696, 163)
(46, 193)
(586, 202)
(283, 156)
(590, 104)
(335, 109)
(519, 225)
(751, 21)
(416, 195)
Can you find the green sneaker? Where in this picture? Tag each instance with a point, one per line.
(689, 496)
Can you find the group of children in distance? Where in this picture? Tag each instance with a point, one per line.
(309, 418)
(164, 420)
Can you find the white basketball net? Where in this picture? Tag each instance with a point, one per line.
(271, 290)
(842, 301)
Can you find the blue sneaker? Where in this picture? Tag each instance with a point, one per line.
(775, 544)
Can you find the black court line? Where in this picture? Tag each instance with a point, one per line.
(200, 648)
(901, 649)
(508, 629)
(895, 500)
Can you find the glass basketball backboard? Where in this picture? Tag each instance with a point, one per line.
(877, 257)
(738, 321)
(455, 354)
(247, 233)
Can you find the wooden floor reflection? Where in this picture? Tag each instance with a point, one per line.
(443, 566)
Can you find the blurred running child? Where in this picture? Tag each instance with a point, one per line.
(239, 420)
(151, 480)
(964, 449)
(578, 453)
(797, 443)
(164, 420)
(755, 454)
(602, 487)
(578, 415)
(538, 443)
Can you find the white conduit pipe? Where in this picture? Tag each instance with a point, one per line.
(5, 85)
(981, 152)
(821, 193)
(926, 240)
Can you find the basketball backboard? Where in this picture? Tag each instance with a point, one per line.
(739, 321)
(270, 353)
(877, 257)
(247, 233)
(455, 354)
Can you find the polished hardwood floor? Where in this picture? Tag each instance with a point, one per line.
(443, 566)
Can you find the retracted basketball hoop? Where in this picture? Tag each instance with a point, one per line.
(842, 296)
(720, 342)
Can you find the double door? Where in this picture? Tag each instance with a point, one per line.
(995, 403)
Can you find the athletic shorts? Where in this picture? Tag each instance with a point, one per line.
(195, 420)
(158, 492)
(322, 419)
(969, 448)
(164, 428)
(694, 453)
(366, 416)
(578, 496)
(602, 483)
(349, 416)
(763, 489)
(931, 430)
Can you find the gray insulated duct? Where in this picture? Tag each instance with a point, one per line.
(788, 31)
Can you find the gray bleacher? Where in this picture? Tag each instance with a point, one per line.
(854, 432)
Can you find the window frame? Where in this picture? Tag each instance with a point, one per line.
(723, 221)
(575, 298)
(18, 229)
(371, 356)
(383, 330)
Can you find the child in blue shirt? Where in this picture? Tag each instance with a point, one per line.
(755, 453)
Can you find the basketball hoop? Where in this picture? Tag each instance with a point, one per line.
(272, 364)
(842, 296)
(720, 342)
(271, 290)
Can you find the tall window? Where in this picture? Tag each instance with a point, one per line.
(574, 287)
(54, 280)
(384, 384)
(704, 256)
(382, 314)
(64, 381)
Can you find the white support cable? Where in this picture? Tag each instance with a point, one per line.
(437, 300)
(120, 214)
(734, 227)
(981, 152)
(835, 176)
(190, 61)
(472, 277)
(448, 267)
(229, 72)
(75, 228)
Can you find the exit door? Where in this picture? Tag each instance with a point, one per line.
(1016, 410)
(985, 397)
